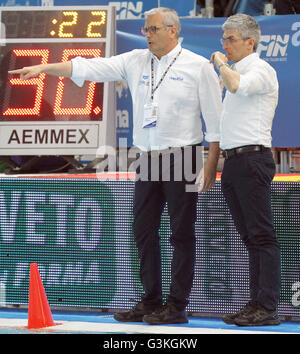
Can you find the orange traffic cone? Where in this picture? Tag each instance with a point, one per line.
(39, 313)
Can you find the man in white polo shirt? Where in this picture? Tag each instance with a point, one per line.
(246, 123)
(170, 88)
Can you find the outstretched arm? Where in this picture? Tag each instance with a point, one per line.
(56, 69)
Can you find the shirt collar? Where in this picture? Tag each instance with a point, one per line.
(243, 63)
(169, 55)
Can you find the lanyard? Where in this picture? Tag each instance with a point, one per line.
(153, 89)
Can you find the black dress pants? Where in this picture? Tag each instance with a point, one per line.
(285, 7)
(150, 199)
(246, 183)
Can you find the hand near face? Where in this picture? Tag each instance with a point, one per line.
(218, 58)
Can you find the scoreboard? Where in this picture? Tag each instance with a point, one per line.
(49, 115)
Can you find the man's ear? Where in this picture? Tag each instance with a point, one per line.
(173, 30)
(251, 42)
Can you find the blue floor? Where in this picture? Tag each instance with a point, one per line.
(92, 317)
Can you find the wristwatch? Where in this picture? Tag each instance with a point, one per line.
(222, 65)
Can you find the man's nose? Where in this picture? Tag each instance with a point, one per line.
(225, 46)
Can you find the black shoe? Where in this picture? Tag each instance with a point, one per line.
(229, 319)
(167, 314)
(259, 317)
(135, 314)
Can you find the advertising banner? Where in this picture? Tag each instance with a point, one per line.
(69, 233)
(79, 232)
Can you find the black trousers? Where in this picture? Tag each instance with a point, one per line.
(284, 7)
(246, 183)
(150, 199)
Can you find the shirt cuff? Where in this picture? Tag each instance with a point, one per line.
(77, 72)
(243, 86)
(212, 137)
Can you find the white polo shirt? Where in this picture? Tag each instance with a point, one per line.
(248, 114)
(191, 86)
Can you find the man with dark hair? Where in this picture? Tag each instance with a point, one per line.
(246, 122)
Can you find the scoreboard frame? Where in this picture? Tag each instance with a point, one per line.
(61, 129)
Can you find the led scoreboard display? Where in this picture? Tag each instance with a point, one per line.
(50, 115)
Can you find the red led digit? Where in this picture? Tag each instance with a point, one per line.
(37, 81)
(71, 111)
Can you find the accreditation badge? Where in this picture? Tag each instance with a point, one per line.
(150, 115)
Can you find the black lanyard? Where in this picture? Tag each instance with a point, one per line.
(153, 89)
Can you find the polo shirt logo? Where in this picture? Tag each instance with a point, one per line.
(176, 78)
(144, 80)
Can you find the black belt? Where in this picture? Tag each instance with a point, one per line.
(242, 149)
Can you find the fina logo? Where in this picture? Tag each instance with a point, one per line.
(274, 47)
(127, 9)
